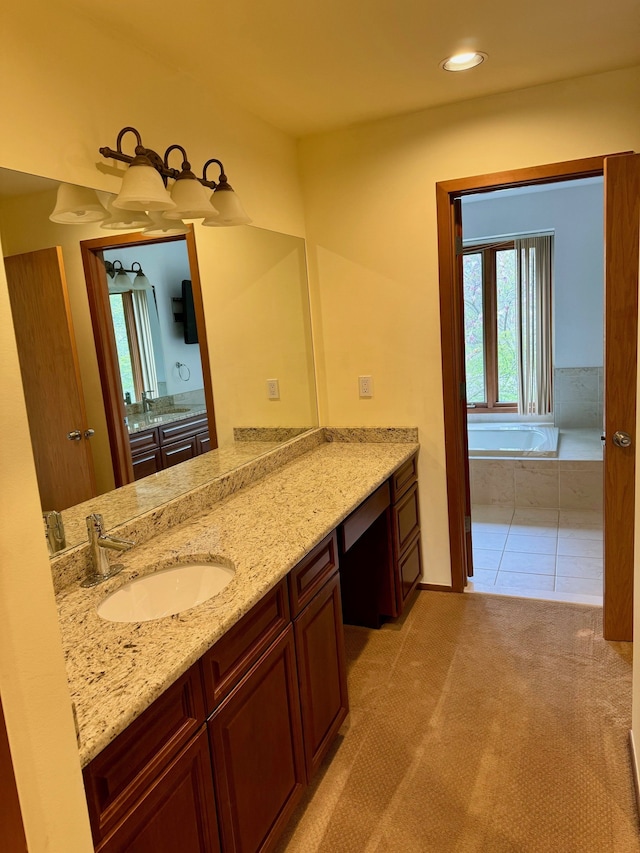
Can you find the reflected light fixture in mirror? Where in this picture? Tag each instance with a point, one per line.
(77, 204)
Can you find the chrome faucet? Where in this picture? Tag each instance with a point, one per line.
(147, 401)
(100, 569)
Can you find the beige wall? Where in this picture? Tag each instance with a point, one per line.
(67, 90)
(371, 231)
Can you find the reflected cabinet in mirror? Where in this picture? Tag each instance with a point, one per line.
(139, 353)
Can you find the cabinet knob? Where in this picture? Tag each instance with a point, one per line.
(89, 432)
(74, 435)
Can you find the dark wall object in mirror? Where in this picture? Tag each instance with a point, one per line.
(189, 314)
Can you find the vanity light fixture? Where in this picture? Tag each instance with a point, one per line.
(463, 61)
(145, 181)
(121, 283)
(75, 205)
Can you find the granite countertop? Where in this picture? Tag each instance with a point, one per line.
(148, 420)
(116, 670)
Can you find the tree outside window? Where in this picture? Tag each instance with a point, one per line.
(490, 321)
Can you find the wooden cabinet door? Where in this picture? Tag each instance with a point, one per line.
(257, 751)
(322, 672)
(177, 813)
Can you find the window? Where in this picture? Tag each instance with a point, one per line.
(490, 321)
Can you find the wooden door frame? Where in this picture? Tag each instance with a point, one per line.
(96, 277)
(452, 329)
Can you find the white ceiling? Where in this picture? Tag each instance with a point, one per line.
(313, 65)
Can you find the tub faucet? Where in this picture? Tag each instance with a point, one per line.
(100, 543)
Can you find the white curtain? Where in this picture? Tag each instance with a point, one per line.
(145, 342)
(534, 262)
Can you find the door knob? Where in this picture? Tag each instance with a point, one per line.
(89, 432)
(74, 435)
(621, 439)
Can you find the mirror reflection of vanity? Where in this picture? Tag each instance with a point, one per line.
(256, 311)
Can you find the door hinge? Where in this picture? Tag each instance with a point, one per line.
(463, 390)
(457, 242)
(467, 524)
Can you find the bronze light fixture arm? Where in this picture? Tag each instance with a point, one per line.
(223, 183)
(152, 157)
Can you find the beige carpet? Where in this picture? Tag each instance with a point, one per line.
(479, 723)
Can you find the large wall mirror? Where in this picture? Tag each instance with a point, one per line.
(250, 325)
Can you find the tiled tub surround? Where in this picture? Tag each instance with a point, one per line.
(578, 397)
(572, 481)
(116, 670)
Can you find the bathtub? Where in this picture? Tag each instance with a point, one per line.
(512, 439)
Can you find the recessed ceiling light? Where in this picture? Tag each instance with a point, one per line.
(463, 61)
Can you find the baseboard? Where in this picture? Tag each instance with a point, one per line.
(436, 587)
(634, 770)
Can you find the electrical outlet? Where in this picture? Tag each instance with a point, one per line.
(365, 386)
(273, 389)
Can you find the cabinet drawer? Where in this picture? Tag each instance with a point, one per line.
(409, 570)
(203, 442)
(405, 476)
(178, 429)
(146, 440)
(116, 778)
(146, 463)
(360, 520)
(178, 452)
(406, 519)
(310, 574)
(235, 653)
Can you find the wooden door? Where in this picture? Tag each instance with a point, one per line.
(11, 828)
(622, 224)
(257, 752)
(50, 377)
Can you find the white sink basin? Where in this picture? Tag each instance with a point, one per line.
(166, 592)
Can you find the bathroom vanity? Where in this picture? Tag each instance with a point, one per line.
(199, 732)
(168, 443)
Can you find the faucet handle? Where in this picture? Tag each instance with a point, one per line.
(95, 523)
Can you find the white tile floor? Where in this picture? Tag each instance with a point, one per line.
(538, 553)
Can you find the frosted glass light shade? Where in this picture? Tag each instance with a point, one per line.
(163, 227)
(121, 283)
(143, 189)
(191, 200)
(124, 220)
(141, 282)
(76, 205)
(229, 207)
